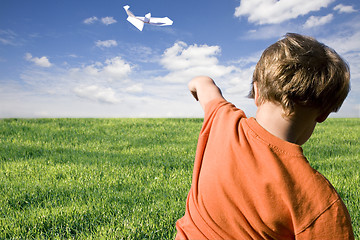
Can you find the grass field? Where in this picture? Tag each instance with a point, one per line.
(128, 178)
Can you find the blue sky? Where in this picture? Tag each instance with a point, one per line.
(62, 58)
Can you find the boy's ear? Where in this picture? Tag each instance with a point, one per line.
(256, 93)
(322, 117)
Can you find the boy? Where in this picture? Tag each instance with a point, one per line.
(251, 179)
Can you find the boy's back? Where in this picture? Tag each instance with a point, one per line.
(253, 185)
(251, 180)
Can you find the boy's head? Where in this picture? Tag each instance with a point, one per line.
(298, 70)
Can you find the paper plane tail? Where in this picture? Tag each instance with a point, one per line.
(147, 18)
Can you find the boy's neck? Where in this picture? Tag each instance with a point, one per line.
(295, 129)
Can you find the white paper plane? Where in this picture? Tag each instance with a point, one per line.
(139, 21)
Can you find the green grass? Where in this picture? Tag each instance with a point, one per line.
(127, 178)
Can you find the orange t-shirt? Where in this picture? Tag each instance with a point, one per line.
(249, 184)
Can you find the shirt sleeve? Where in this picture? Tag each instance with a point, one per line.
(214, 108)
(334, 223)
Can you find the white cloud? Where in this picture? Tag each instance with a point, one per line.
(104, 20)
(8, 37)
(140, 53)
(112, 70)
(185, 62)
(116, 68)
(106, 43)
(181, 56)
(99, 81)
(314, 21)
(344, 9)
(42, 62)
(344, 43)
(90, 20)
(97, 93)
(108, 20)
(136, 88)
(73, 55)
(6, 41)
(273, 12)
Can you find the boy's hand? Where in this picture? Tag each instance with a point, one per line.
(204, 90)
(195, 95)
(193, 90)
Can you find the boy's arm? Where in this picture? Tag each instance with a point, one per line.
(204, 90)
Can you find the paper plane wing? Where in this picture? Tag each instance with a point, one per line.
(165, 21)
(136, 22)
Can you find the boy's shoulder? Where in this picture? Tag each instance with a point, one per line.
(219, 105)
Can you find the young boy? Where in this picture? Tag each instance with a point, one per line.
(251, 179)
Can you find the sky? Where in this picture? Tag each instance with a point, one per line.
(65, 58)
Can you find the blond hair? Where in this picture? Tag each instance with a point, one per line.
(299, 70)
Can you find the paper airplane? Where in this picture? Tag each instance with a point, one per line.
(139, 21)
